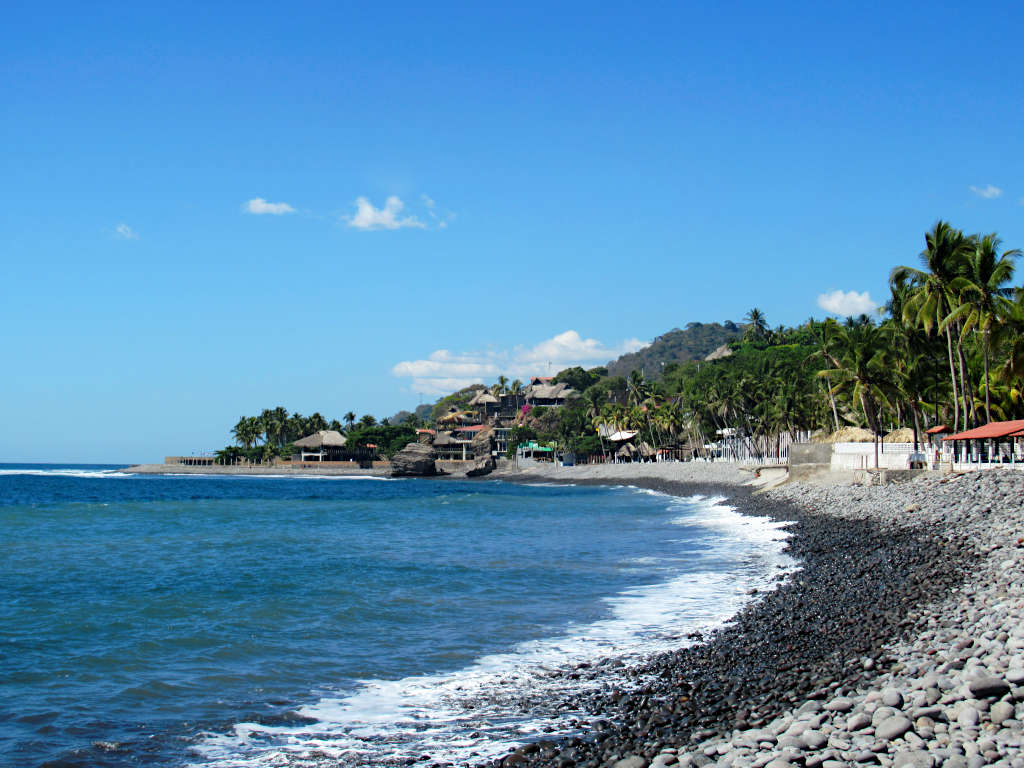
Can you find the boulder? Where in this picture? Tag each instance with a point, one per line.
(483, 444)
(415, 460)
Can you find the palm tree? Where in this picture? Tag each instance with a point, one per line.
(1009, 338)
(861, 364)
(502, 383)
(985, 298)
(316, 422)
(936, 289)
(350, 419)
(757, 326)
(367, 420)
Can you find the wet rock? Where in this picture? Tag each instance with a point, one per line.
(415, 460)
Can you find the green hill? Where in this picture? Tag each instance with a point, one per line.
(695, 342)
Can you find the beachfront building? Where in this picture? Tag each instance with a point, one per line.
(453, 446)
(997, 444)
(325, 445)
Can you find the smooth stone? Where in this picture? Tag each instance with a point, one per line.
(814, 739)
(968, 716)
(883, 713)
(955, 761)
(892, 698)
(839, 704)
(988, 688)
(858, 722)
(778, 763)
(915, 758)
(633, 761)
(892, 728)
(1000, 712)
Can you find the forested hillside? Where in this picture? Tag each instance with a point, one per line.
(696, 342)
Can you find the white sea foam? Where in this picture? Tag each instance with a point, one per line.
(507, 698)
(101, 473)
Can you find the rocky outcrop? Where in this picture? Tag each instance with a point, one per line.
(415, 460)
(719, 353)
(483, 445)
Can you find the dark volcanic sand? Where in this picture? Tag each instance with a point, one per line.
(818, 635)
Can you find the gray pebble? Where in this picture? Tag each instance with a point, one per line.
(892, 727)
(913, 758)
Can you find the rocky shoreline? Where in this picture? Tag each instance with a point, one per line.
(899, 643)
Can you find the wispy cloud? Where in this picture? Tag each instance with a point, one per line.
(260, 207)
(124, 232)
(444, 371)
(988, 192)
(369, 218)
(847, 303)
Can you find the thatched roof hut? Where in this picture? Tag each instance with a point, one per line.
(454, 417)
(901, 435)
(325, 438)
(627, 451)
(483, 397)
(646, 450)
(444, 438)
(852, 435)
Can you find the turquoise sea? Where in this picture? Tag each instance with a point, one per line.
(241, 621)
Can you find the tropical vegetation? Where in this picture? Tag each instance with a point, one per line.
(947, 348)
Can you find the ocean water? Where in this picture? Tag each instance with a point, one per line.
(241, 621)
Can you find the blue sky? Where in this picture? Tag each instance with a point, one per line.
(211, 209)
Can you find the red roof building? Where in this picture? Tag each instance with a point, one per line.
(991, 431)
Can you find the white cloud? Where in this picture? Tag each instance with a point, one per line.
(427, 200)
(124, 232)
(847, 303)
(443, 372)
(369, 218)
(988, 192)
(259, 206)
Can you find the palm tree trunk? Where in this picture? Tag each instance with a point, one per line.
(968, 401)
(988, 407)
(832, 400)
(952, 375)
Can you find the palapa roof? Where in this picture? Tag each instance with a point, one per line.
(938, 430)
(991, 431)
(550, 391)
(443, 438)
(483, 397)
(325, 438)
(852, 435)
(901, 435)
(454, 415)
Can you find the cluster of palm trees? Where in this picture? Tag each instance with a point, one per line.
(964, 294)
(950, 349)
(275, 428)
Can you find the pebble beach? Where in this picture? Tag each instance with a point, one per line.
(900, 641)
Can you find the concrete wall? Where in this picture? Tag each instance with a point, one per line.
(808, 459)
